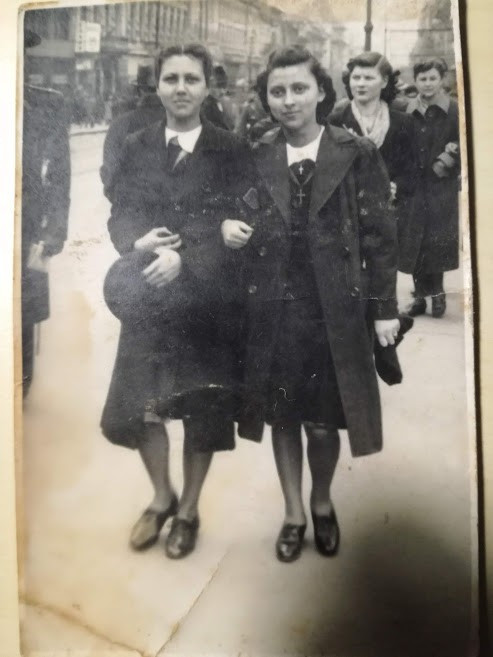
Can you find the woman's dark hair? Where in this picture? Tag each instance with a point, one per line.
(427, 64)
(291, 56)
(383, 66)
(195, 50)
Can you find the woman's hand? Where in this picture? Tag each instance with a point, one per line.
(387, 330)
(393, 191)
(165, 268)
(158, 237)
(235, 233)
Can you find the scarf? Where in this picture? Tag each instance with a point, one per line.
(374, 127)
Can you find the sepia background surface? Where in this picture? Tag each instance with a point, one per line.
(372, 565)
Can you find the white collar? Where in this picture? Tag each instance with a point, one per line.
(307, 152)
(187, 140)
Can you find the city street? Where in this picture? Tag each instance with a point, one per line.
(401, 585)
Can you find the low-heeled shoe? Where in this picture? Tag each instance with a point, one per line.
(418, 307)
(290, 542)
(327, 534)
(438, 305)
(146, 530)
(182, 537)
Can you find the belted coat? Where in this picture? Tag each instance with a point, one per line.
(352, 239)
(160, 363)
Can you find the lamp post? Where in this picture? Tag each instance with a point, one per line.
(368, 26)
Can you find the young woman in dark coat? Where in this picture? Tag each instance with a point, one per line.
(321, 279)
(173, 290)
(429, 239)
(371, 85)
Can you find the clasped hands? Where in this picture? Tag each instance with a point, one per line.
(167, 266)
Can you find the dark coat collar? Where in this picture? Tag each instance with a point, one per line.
(336, 153)
(442, 102)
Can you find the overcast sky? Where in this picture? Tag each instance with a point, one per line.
(350, 10)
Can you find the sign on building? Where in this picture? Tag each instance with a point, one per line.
(88, 37)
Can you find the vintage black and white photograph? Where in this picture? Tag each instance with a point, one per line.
(245, 330)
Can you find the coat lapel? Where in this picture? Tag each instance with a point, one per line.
(272, 163)
(336, 153)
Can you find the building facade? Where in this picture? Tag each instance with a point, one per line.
(100, 47)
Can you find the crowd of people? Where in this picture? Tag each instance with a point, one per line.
(257, 269)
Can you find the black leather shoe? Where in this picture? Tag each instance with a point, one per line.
(418, 307)
(182, 537)
(326, 533)
(146, 530)
(438, 305)
(290, 542)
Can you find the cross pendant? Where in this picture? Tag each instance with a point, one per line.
(300, 196)
(301, 169)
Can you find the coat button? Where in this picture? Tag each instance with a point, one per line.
(252, 289)
(262, 251)
(354, 291)
(346, 252)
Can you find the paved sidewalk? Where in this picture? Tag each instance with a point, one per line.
(400, 587)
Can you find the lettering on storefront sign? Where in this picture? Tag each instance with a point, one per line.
(88, 37)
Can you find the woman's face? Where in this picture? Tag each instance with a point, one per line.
(429, 83)
(293, 95)
(182, 88)
(366, 83)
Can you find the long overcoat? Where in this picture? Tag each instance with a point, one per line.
(429, 240)
(45, 191)
(352, 240)
(397, 151)
(160, 363)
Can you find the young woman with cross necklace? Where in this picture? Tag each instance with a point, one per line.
(321, 279)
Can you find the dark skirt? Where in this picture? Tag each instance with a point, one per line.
(303, 384)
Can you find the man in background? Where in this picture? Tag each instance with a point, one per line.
(149, 110)
(45, 201)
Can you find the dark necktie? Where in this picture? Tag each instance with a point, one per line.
(176, 154)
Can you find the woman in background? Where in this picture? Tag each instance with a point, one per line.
(371, 86)
(429, 239)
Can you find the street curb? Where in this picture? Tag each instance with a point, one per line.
(78, 133)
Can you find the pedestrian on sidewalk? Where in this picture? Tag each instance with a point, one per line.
(429, 239)
(321, 281)
(45, 202)
(371, 86)
(149, 110)
(174, 291)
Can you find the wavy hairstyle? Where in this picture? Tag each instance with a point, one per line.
(291, 56)
(194, 50)
(383, 66)
(427, 64)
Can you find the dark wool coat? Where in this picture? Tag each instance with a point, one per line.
(397, 150)
(161, 363)
(353, 245)
(45, 191)
(429, 240)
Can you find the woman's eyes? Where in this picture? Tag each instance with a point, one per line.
(297, 89)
